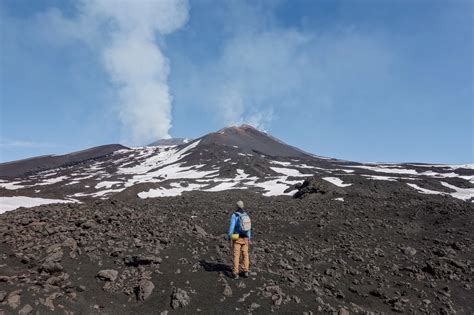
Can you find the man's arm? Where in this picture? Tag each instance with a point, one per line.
(231, 227)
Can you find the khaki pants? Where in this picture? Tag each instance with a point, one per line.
(241, 244)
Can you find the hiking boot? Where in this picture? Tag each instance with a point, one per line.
(245, 274)
(234, 276)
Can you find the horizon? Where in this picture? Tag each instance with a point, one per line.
(365, 81)
(230, 126)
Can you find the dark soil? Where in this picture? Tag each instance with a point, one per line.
(373, 252)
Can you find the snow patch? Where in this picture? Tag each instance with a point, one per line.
(336, 181)
(224, 186)
(51, 181)
(164, 192)
(288, 171)
(385, 169)
(379, 177)
(424, 190)
(12, 185)
(12, 203)
(460, 193)
(106, 184)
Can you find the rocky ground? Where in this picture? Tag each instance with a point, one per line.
(328, 250)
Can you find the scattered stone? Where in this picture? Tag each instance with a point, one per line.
(253, 306)
(409, 251)
(145, 288)
(25, 310)
(51, 267)
(14, 299)
(89, 224)
(179, 298)
(107, 274)
(141, 260)
(49, 301)
(343, 311)
(200, 231)
(227, 290)
(3, 295)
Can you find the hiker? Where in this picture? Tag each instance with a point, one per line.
(240, 235)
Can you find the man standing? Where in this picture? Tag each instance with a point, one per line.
(240, 235)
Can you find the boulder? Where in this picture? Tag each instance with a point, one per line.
(25, 310)
(317, 185)
(145, 288)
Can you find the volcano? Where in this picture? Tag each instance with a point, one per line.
(233, 158)
(141, 230)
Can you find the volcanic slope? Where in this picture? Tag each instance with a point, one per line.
(232, 158)
(143, 232)
(329, 250)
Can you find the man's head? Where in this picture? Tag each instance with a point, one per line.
(240, 205)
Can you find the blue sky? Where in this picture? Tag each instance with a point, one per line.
(359, 80)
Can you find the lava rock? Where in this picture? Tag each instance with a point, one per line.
(141, 260)
(25, 310)
(107, 274)
(179, 298)
(145, 288)
(409, 251)
(14, 299)
(3, 295)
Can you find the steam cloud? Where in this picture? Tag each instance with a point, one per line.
(125, 35)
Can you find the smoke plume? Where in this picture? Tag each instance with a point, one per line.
(127, 36)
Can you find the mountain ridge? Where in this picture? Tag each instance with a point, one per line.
(233, 158)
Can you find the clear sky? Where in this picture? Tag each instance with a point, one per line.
(358, 80)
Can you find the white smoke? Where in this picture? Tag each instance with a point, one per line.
(126, 35)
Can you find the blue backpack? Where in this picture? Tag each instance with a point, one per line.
(245, 224)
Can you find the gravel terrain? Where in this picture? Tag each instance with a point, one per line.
(376, 247)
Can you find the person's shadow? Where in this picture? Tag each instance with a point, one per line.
(214, 267)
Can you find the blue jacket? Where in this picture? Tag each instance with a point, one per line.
(234, 227)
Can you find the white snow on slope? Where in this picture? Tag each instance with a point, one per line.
(281, 163)
(336, 181)
(167, 192)
(107, 184)
(12, 203)
(450, 166)
(158, 157)
(447, 175)
(175, 171)
(395, 169)
(12, 185)
(424, 190)
(379, 177)
(384, 169)
(224, 186)
(241, 175)
(288, 171)
(460, 193)
(274, 187)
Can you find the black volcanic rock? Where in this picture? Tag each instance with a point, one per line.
(249, 139)
(316, 185)
(307, 254)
